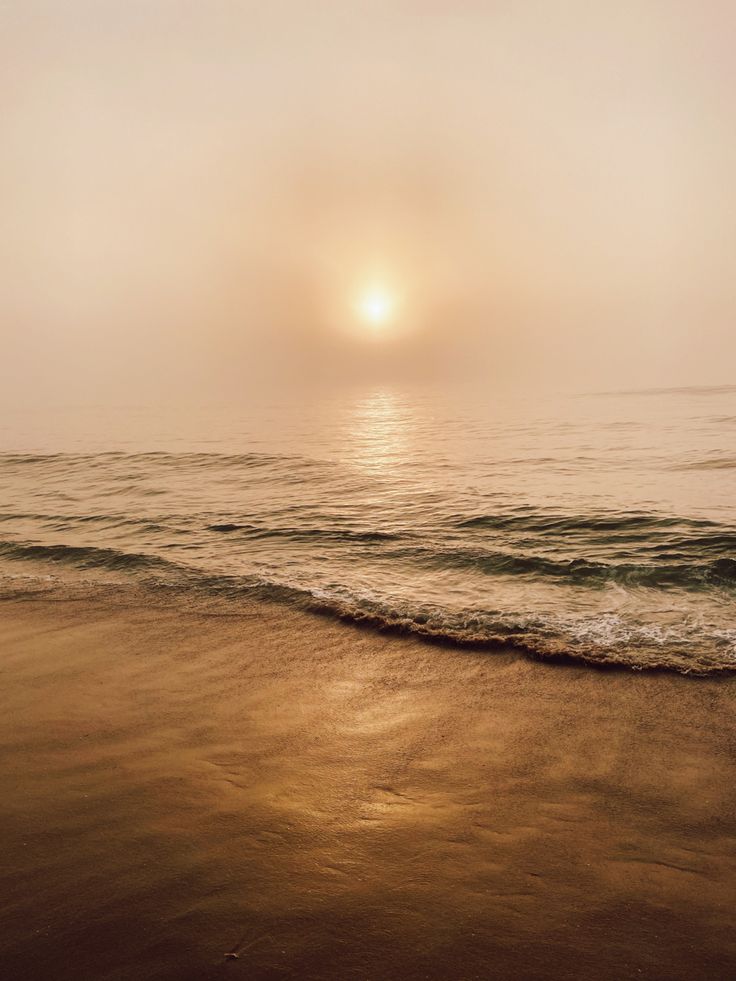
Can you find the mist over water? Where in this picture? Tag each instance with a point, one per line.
(195, 194)
(599, 526)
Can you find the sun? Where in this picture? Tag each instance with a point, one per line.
(376, 306)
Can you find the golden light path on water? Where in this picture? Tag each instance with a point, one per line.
(380, 428)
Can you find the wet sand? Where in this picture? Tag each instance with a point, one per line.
(179, 780)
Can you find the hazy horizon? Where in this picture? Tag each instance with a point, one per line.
(196, 196)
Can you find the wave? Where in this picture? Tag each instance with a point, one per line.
(715, 462)
(643, 527)
(604, 640)
(305, 534)
(67, 521)
(674, 390)
(578, 571)
(201, 459)
(637, 649)
(532, 520)
(168, 524)
(638, 549)
(120, 466)
(86, 557)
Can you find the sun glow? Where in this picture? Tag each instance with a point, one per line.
(376, 307)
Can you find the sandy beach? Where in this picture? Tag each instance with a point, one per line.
(184, 779)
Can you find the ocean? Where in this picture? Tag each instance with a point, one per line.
(598, 527)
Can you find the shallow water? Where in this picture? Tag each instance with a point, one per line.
(599, 526)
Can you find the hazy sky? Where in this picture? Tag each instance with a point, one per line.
(194, 195)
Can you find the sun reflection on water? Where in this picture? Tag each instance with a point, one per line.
(379, 431)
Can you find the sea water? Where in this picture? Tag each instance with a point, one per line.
(596, 526)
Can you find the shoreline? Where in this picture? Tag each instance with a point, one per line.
(183, 779)
(86, 581)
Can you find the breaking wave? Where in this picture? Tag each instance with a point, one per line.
(687, 647)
